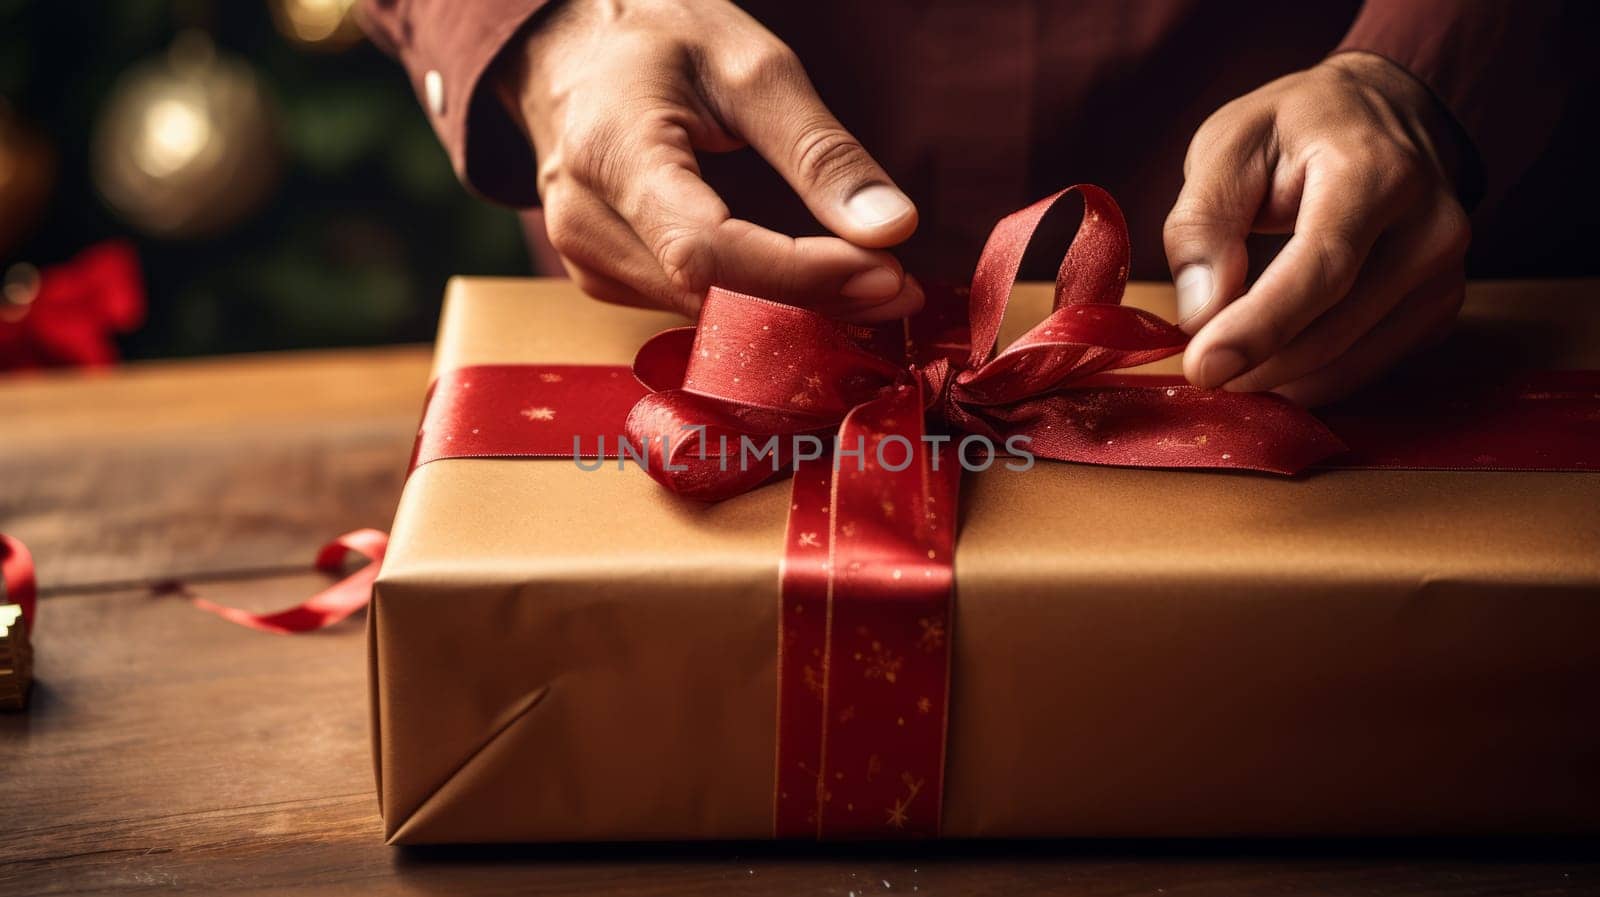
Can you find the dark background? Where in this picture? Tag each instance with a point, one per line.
(351, 241)
(351, 244)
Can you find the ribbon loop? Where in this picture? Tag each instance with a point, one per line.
(761, 354)
(865, 608)
(757, 369)
(1094, 269)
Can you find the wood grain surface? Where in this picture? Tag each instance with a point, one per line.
(169, 751)
(204, 467)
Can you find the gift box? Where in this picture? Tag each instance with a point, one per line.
(566, 654)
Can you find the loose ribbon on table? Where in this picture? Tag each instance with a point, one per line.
(335, 603)
(328, 606)
(867, 582)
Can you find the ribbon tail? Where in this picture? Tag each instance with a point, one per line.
(865, 631)
(329, 606)
(1117, 423)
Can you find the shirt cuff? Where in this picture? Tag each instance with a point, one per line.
(450, 51)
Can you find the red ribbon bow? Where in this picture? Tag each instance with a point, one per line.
(753, 369)
(864, 634)
(865, 622)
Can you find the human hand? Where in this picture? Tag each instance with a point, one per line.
(617, 96)
(1345, 156)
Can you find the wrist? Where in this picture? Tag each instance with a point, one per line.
(517, 65)
(1431, 126)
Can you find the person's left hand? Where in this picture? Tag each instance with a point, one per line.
(1348, 156)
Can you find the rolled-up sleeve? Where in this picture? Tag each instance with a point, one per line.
(1502, 68)
(447, 47)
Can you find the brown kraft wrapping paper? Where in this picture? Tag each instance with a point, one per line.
(567, 655)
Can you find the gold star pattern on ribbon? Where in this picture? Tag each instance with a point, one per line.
(897, 816)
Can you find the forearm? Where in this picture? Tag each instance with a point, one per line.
(1497, 67)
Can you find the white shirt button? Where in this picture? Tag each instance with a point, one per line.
(433, 90)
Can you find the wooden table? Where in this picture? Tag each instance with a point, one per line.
(169, 750)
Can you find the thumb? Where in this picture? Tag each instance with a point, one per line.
(1224, 185)
(774, 108)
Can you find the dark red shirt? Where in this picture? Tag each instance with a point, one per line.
(978, 107)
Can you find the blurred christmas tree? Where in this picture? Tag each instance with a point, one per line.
(279, 181)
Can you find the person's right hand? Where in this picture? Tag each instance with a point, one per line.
(618, 95)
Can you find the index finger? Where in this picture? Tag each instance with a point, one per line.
(650, 178)
(1343, 209)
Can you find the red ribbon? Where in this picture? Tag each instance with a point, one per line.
(864, 633)
(16, 572)
(864, 636)
(327, 607)
(754, 369)
(332, 604)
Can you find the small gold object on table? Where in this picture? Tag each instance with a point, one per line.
(16, 659)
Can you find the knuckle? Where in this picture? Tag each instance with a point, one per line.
(550, 176)
(1405, 165)
(762, 67)
(564, 229)
(1385, 174)
(1197, 220)
(1222, 124)
(1227, 136)
(686, 258)
(590, 147)
(563, 240)
(1357, 166)
(1335, 259)
(1400, 173)
(1455, 229)
(1188, 220)
(827, 152)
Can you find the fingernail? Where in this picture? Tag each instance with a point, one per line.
(1221, 365)
(906, 302)
(1195, 286)
(876, 205)
(872, 284)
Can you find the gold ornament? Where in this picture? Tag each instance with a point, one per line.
(20, 287)
(322, 25)
(186, 145)
(27, 172)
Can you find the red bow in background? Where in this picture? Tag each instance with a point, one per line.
(66, 314)
(754, 369)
